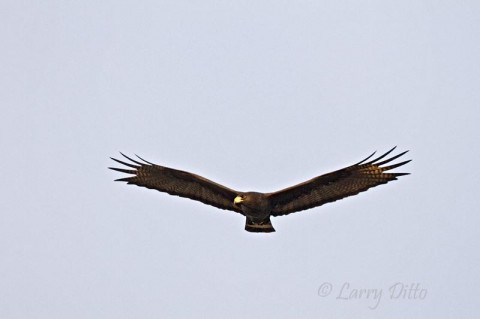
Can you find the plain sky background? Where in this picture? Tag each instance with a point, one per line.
(256, 95)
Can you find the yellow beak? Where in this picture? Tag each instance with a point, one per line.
(238, 200)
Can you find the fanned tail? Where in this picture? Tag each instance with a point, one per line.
(264, 226)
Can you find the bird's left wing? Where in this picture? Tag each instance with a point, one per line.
(176, 182)
(335, 185)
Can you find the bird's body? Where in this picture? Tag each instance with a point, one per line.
(259, 207)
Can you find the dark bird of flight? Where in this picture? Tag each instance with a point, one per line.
(258, 207)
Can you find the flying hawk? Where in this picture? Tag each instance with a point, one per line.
(258, 207)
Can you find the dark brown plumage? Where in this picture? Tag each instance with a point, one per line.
(258, 207)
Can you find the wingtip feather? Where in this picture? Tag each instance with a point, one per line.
(135, 161)
(124, 179)
(123, 170)
(387, 168)
(381, 156)
(388, 160)
(125, 163)
(366, 158)
(144, 160)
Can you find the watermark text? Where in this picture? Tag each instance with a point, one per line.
(374, 296)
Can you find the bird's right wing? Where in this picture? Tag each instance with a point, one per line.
(336, 185)
(178, 183)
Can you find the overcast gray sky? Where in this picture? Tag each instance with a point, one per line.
(256, 95)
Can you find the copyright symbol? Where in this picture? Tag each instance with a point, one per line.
(325, 289)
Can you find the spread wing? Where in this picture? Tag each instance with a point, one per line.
(178, 183)
(335, 185)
